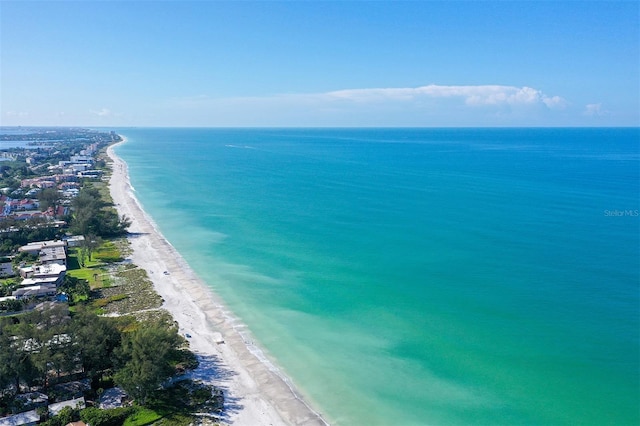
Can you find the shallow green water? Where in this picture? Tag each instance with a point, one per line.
(407, 276)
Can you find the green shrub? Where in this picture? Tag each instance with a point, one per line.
(113, 417)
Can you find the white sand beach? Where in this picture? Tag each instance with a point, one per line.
(256, 392)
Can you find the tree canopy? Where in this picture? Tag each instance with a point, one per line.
(148, 354)
(92, 216)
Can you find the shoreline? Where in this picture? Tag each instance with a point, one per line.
(256, 391)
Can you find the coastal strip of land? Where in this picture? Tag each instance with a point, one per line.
(256, 392)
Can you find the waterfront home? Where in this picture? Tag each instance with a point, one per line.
(54, 409)
(35, 291)
(112, 398)
(53, 271)
(31, 400)
(40, 280)
(74, 240)
(35, 247)
(48, 251)
(27, 418)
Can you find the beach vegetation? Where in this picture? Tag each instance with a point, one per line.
(128, 279)
(147, 357)
(104, 301)
(142, 416)
(175, 405)
(103, 190)
(97, 338)
(92, 272)
(112, 417)
(92, 216)
(108, 252)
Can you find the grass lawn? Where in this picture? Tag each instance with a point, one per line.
(143, 416)
(108, 253)
(93, 271)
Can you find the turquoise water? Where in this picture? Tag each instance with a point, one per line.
(418, 276)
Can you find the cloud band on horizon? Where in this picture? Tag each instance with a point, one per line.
(473, 95)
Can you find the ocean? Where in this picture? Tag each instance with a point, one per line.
(418, 276)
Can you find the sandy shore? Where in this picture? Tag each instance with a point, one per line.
(256, 392)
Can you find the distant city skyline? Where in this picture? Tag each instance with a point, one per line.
(319, 64)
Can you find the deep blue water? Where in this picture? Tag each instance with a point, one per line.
(418, 276)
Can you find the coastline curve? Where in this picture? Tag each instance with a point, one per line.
(257, 391)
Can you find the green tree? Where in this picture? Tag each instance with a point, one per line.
(74, 287)
(95, 339)
(86, 207)
(148, 353)
(48, 340)
(11, 305)
(8, 370)
(96, 417)
(16, 364)
(23, 258)
(92, 216)
(111, 225)
(49, 197)
(92, 243)
(64, 417)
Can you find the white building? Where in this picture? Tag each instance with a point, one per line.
(54, 409)
(35, 291)
(48, 270)
(36, 246)
(27, 418)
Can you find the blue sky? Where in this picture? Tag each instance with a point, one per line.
(312, 63)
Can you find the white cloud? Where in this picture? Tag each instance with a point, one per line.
(104, 112)
(16, 114)
(409, 106)
(595, 110)
(480, 95)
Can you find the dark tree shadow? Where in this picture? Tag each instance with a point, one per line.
(211, 371)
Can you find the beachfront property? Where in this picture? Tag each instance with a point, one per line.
(112, 398)
(48, 275)
(55, 271)
(81, 159)
(27, 418)
(29, 401)
(74, 240)
(47, 251)
(44, 278)
(35, 291)
(55, 408)
(91, 174)
(31, 417)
